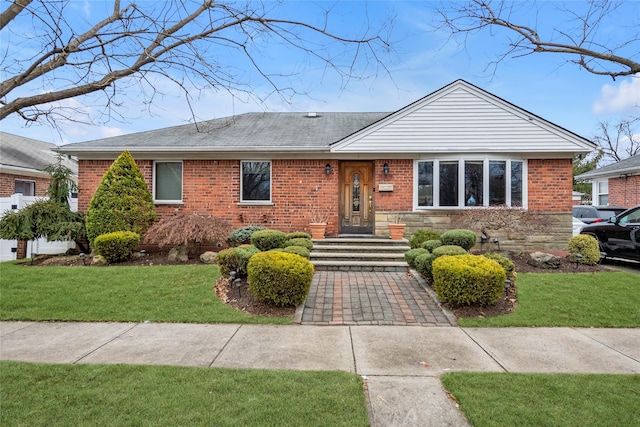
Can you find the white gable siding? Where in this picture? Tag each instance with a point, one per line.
(462, 119)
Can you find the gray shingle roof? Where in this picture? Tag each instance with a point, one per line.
(250, 130)
(20, 152)
(628, 165)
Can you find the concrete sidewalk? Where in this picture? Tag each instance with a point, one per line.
(401, 364)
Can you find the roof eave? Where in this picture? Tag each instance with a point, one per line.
(609, 174)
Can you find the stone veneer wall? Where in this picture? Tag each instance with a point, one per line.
(556, 234)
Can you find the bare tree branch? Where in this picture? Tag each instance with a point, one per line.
(12, 11)
(618, 141)
(181, 40)
(581, 43)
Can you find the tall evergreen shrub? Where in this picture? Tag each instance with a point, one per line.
(122, 201)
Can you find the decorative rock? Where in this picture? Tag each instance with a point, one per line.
(179, 253)
(209, 257)
(98, 259)
(544, 260)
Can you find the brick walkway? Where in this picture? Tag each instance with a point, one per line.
(370, 298)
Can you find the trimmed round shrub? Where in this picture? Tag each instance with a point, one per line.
(424, 265)
(468, 279)
(411, 254)
(448, 250)
(298, 235)
(280, 278)
(293, 249)
(122, 201)
(299, 241)
(430, 245)
(422, 235)
(117, 246)
(242, 236)
(265, 240)
(587, 246)
(236, 259)
(466, 239)
(506, 263)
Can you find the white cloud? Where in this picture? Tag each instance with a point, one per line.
(616, 99)
(108, 132)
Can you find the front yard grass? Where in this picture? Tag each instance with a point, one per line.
(117, 395)
(176, 293)
(571, 299)
(499, 399)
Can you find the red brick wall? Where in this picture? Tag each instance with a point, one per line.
(401, 176)
(8, 186)
(550, 185)
(624, 191)
(213, 187)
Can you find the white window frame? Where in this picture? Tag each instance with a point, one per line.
(33, 186)
(168, 202)
(461, 181)
(256, 202)
(595, 191)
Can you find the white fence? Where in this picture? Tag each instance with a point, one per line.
(40, 246)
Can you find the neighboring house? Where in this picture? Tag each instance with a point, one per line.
(23, 180)
(457, 149)
(577, 198)
(617, 184)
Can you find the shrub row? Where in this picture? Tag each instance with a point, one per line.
(276, 264)
(458, 277)
(468, 279)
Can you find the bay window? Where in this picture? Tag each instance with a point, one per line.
(469, 182)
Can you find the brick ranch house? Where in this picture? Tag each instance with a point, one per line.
(23, 180)
(22, 165)
(617, 184)
(458, 149)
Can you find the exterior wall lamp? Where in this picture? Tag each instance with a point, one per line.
(327, 169)
(385, 169)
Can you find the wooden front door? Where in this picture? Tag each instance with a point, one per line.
(356, 198)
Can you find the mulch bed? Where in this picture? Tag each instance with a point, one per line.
(508, 302)
(242, 299)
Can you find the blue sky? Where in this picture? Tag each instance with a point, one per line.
(422, 61)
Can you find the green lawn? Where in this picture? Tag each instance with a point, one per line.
(498, 399)
(118, 395)
(571, 299)
(121, 294)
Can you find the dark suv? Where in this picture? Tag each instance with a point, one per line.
(589, 214)
(619, 237)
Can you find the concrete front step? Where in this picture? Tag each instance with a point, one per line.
(364, 256)
(354, 248)
(360, 265)
(373, 241)
(359, 254)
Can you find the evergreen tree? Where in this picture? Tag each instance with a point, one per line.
(49, 218)
(122, 201)
(581, 164)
